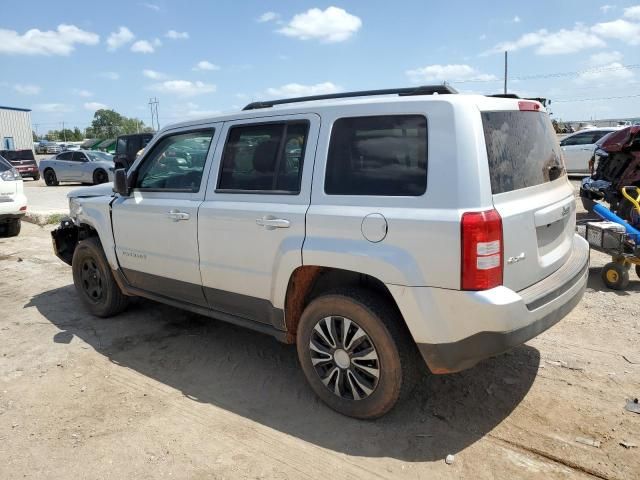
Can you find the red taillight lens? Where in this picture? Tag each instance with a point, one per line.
(481, 238)
(23, 209)
(529, 106)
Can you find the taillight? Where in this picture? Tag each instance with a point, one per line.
(528, 106)
(481, 238)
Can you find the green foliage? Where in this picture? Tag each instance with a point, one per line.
(105, 124)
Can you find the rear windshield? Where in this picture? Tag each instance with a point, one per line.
(4, 165)
(522, 148)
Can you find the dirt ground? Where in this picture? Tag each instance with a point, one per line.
(160, 393)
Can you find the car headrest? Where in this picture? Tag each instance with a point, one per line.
(264, 157)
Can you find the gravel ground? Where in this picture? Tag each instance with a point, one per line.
(160, 393)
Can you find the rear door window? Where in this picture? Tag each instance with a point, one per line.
(378, 155)
(522, 150)
(65, 156)
(264, 157)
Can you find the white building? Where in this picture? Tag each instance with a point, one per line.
(15, 129)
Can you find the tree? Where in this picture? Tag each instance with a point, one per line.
(109, 123)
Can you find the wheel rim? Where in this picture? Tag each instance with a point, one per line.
(91, 278)
(344, 357)
(101, 177)
(612, 276)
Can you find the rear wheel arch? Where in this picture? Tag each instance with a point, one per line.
(309, 282)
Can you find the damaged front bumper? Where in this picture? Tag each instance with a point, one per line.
(65, 239)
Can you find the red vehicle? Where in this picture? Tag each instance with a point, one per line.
(617, 166)
(23, 161)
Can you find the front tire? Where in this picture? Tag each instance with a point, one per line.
(50, 178)
(94, 281)
(356, 353)
(100, 176)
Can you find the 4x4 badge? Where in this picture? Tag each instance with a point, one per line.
(517, 259)
(565, 210)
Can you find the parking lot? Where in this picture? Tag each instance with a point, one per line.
(159, 392)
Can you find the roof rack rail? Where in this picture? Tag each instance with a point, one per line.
(422, 90)
(504, 95)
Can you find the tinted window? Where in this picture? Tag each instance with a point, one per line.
(384, 155)
(265, 157)
(121, 146)
(79, 157)
(65, 156)
(176, 162)
(4, 165)
(522, 149)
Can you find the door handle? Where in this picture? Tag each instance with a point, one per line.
(177, 215)
(270, 222)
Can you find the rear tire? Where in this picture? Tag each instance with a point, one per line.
(94, 280)
(100, 176)
(50, 178)
(11, 228)
(638, 270)
(615, 276)
(376, 338)
(36, 177)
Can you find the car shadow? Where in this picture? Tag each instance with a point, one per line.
(258, 378)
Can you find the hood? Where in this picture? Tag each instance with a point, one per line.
(102, 190)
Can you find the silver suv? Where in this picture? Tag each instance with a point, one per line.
(368, 228)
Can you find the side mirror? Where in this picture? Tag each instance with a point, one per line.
(120, 185)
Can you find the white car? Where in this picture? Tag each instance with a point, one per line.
(84, 166)
(13, 203)
(369, 229)
(578, 148)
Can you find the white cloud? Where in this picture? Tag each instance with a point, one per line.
(553, 43)
(632, 13)
(604, 58)
(623, 30)
(268, 17)
(142, 46)
(516, 19)
(152, 74)
(157, 42)
(151, 6)
(52, 108)
(608, 72)
(82, 93)
(110, 75)
(299, 90)
(175, 35)
(441, 73)
(330, 26)
(184, 88)
(119, 38)
(61, 41)
(606, 8)
(190, 110)
(27, 89)
(205, 65)
(93, 106)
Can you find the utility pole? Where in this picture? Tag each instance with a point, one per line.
(505, 71)
(153, 106)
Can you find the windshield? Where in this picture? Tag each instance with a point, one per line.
(522, 149)
(99, 156)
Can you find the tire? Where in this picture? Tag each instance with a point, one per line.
(36, 177)
(50, 178)
(638, 271)
(11, 228)
(100, 176)
(615, 276)
(376, 331)
(94, 281)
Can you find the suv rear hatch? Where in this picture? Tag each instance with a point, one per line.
(531, 192)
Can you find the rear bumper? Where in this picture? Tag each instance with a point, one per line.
(7, 217)
(454, 330)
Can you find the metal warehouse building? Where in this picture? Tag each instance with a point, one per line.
(15, 129)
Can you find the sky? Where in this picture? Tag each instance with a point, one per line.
(65, 59)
